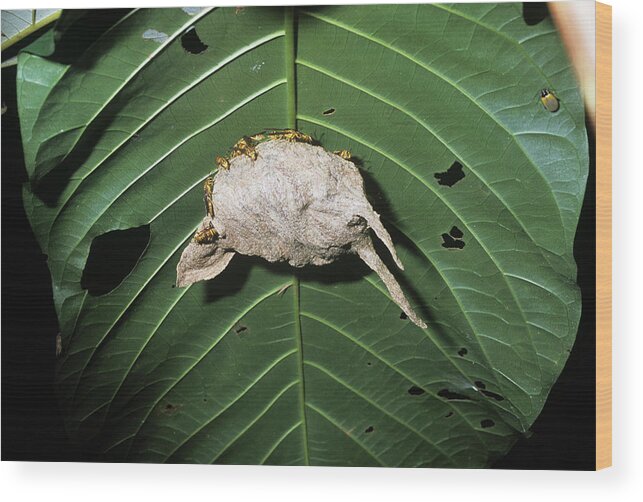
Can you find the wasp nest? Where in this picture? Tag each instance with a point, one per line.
(285, 199)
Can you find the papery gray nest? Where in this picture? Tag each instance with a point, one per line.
(297, 203)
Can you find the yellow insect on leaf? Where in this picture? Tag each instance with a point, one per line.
(549, 101)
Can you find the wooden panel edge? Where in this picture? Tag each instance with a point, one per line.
(603, 235)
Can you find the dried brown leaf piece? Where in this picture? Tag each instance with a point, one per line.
(297, 203)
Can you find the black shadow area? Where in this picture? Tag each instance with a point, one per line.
(32, 428)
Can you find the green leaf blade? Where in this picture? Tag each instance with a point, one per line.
(256, 367)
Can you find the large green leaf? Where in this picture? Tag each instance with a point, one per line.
(267, 364)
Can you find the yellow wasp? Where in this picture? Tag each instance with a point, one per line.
(206, 236)
(244, 147)
(222, 162)
(344, 154)
(290, 135)
(258, 137)
(549, 100)
(207, 196)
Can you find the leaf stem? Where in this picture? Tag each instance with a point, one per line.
(290, 29)
(300, 365)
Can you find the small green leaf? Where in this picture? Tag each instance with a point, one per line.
(19, 24)
(478, 184)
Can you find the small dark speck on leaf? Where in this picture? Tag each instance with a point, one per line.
(403, 316)
(451, 176)
(448, 415)
(330, 111)
(369, 429)
(480, 384)
(170, 409)
(191, 42)
(447, 394)
(462, 352)
(240, 329)
(416, 391)
(369, 363)
(487, 422)
(493, 395)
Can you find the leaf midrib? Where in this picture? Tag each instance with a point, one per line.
(290, 57)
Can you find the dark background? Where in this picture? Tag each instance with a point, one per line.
(32, 429)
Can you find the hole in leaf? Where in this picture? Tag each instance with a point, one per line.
(191, 42)
(330, 111)
(451, 176)
(369, 363)
(534, 12)
(480, 384)
(456, 233)
(416, 391)
(447, 394)
(112, 256)
(493, 395)
(463, 352)
(403, 316)
(486, 423)
(451, 243)
(369, 429)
